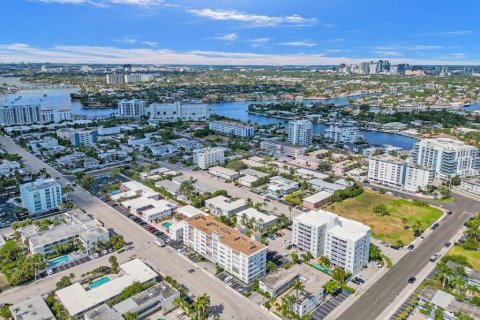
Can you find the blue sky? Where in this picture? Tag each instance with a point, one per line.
(240, 31)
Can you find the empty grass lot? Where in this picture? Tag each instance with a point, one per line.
(473, 257)
(388, 228)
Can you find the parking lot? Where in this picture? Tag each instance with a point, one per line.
(324, 309)
(277, 258)
(233, 283)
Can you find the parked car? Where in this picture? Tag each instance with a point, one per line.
(410, 247)
(355, 281)
(360, 280)
(395, 247)
(412, 279)
(385, 244)
(435, 226)
(447, 244)
(49, 272)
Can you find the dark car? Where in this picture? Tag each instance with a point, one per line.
(410, 247)
(359, 280)
(450, 212)
(411, 279)
(447, 244)
(355, 281)
(435, 226)
(395, 247)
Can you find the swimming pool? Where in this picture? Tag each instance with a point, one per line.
(58, 260)
(167, 224)
(99, 282)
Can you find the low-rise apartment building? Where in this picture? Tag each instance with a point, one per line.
(231, 128)
(257, 218)
(280, 186)
(278, 148)
(78, 225)
(223, 173)
(317, 200)
(346, 243)
(237, 254)
(223, 206)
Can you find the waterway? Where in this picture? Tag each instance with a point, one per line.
(235, 110)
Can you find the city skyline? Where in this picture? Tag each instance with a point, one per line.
(232, 32)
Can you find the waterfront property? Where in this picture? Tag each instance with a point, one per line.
(300, 132)
(41, 195)
(163, 112)
(341, 132)
(78, 299)
(242, 257)
(132, 108)
(346, 243)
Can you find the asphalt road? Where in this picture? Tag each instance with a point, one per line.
(371, 304)
(226, 302)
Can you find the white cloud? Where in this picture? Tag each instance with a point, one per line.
(388, 53)
(258, 42)
(299, 44)
(227, 37)
(446, 33)
(151, 44)
(18, 52)
(255, 20)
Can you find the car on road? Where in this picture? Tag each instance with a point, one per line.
(447, 244)
(435, 226)
(422, 237)
(434, 257)
(410, 247)
(412, 279)
(450, 212)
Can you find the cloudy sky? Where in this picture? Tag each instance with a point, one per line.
(240, 31)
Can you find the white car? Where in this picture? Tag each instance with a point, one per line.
(361, 276)
(49, 272)
(96, 255)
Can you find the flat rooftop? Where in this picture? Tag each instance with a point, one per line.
(313, 279)
(228, 236)
(222, 170)
(103, 312)
(225, 203)
(254, 173)
(40, 184)
(190, 211)
(158, 292)
(33, 308)
(318, 197)
(254, 213)
(77, 299)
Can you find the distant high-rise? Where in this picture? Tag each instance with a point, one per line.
(115, 78)
(300, 132)
(132, 108)
(127, 68)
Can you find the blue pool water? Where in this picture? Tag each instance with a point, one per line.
(99, 282)
(58, 260)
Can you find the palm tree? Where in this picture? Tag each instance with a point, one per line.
(444, 273)
(298, 286)
(42, 172)
(244, 219)
(202, 304)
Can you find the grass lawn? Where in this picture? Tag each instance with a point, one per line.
(388, 228)
(472, 256)
(295, 198)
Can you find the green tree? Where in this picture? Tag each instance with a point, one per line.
(331, 286)
(375, 254)
(339, 275)
(324, 261)
(294, 257)
(298, 286)
(113, 263)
